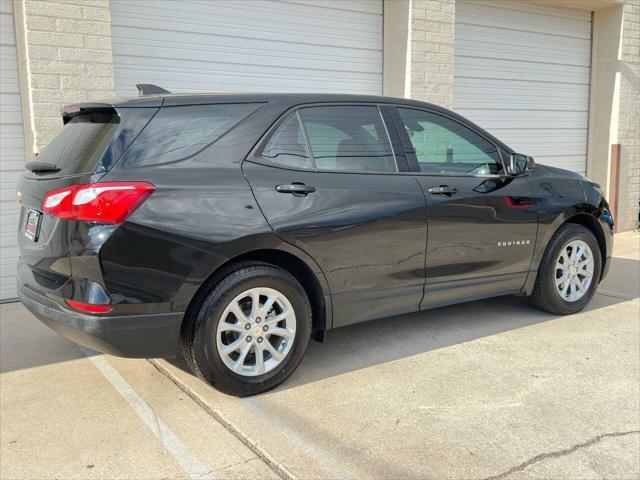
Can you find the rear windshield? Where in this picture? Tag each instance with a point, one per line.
(176, 133)
(81, 144)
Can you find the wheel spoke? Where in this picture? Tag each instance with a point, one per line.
(578, 284)
(259, 358)
(585, 273)
(269, 303)
(278, 356)
(278, 318)
(255, 304)
(281, 332)
(237, 311)
(233, 346)
(243, 355)
(231, 327)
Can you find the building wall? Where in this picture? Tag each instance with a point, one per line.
(629, 117)
(64, 50)
(65, 53)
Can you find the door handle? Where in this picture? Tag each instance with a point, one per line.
(296, 189)
(443, 190)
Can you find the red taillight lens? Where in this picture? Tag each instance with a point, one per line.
(108, 202)
(89, 307)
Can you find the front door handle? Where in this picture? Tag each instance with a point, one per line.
(443, 190)
(296, 189)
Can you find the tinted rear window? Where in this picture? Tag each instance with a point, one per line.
(81, 143)
(176, 133)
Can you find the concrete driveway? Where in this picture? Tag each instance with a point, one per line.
(488, 390)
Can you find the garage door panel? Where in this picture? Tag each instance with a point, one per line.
(529, 18)
(523, 72)
(516, 119)
(188, 58)
(530, 52)
(248, 46)
(503, 90)
(12, 153)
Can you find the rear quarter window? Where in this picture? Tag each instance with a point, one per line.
(176, 133)
(81, 143)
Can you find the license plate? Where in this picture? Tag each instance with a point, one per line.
(32, 228)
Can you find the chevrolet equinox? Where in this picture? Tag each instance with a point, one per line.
(233, 228)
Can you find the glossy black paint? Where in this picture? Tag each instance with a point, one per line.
(371, 245)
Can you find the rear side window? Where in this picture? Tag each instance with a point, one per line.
(81, 143)
(176, 133)
(287, 146)
(348, 138)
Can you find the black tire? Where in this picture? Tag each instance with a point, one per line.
(200, 324)
(545, 294)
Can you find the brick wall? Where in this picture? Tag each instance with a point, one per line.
(419, 37)
(431, 48)
(65, 57)
(629, 117)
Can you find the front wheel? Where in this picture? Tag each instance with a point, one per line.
(250, 332)
(569, 272)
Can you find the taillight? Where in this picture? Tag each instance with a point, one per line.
(108, 202)
(89, 307)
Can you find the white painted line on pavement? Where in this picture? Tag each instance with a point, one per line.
(192, 466)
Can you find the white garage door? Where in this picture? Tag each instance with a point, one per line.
(12, 153)
(248, 45)
(522, 72)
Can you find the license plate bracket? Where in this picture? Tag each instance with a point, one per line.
(32, 227)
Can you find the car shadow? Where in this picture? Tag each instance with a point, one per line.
(365, 345)
(26, 343)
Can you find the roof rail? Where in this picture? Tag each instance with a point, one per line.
(150, 89)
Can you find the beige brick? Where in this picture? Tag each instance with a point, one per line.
(42, 24)
(54, 39)
(83, 26)
(56, 67)
(97, 43)
(99, 70)
(51, 110)
(86, 83)
(52, 9)
(38, 52)
(96, 13)
(85, 55)
(45, 95)
(45, 81)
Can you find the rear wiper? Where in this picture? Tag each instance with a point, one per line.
(41, 167)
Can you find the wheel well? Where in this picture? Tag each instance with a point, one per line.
(592, 224)
(293, 265)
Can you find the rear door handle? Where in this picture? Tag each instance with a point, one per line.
(296, 189)
(443, 190)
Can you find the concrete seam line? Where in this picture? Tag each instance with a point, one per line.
(609, 293)
(192, 466)
(252, 445)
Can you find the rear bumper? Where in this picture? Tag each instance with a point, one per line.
(134, 336)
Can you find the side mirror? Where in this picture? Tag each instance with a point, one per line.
(520, 164)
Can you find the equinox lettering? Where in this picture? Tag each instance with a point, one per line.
(510, 243)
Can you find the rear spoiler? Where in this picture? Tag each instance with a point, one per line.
(108, 106)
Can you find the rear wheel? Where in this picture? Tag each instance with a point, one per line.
(250, 330)
(569, 271)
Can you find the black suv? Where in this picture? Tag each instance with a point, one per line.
(234, 228)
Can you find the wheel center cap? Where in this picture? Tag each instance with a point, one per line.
(257, 331)
(573, 270)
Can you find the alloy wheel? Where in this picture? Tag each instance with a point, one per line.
(574, 270)
(256, 331)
